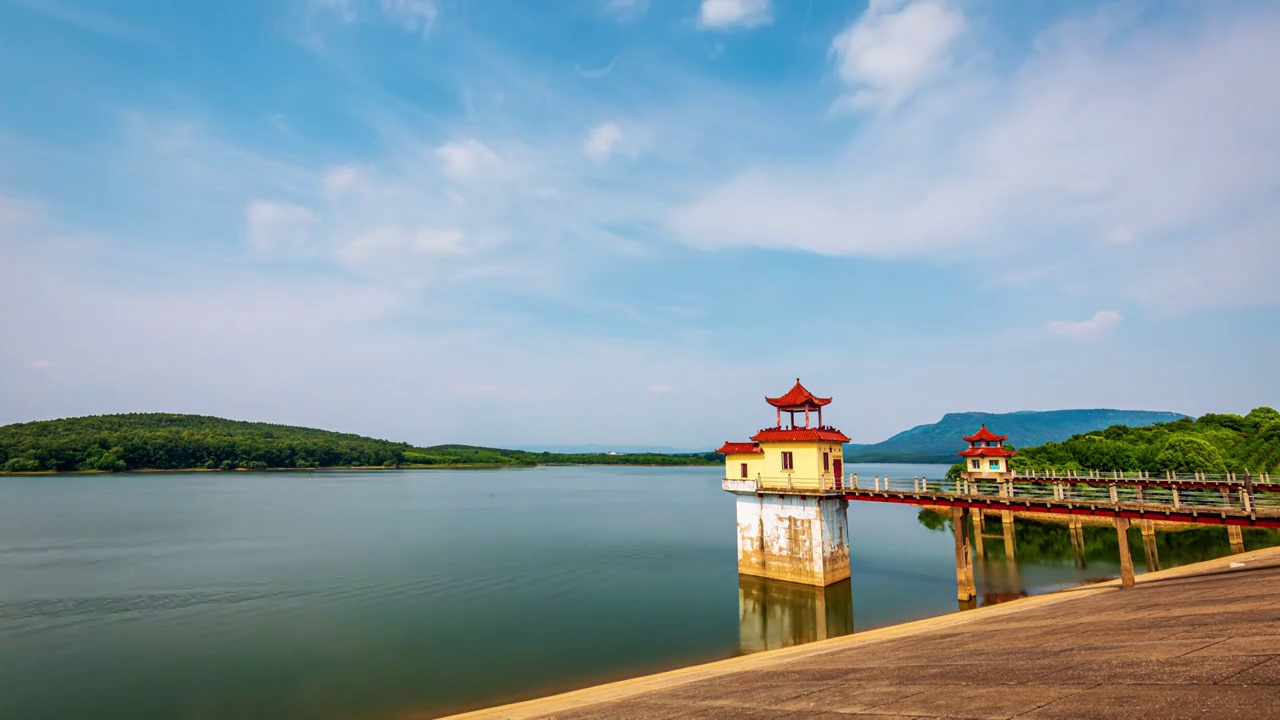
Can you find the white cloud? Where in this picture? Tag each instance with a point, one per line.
(895, 48)
(40, 364)
(271, 226)
(412, 15)
(661, 389)
(340, 181)
(393, 244)
(1168, 134)
(466, 161)
(1119, 235)
(1095, 328)
(726, 14)
(602, 141)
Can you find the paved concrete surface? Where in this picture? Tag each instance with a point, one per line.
(1197, 642)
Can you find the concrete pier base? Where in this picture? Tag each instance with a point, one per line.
(1010, 549)
(1126, 560)
(1236, 538)
(797, 538)
(978, 550)
(966, 588)
(1149, 545)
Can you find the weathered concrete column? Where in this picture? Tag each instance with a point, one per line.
(977, 531)
(793, 538)
(1006, 519)
(1149, 545)
(965, 589)
(1126, 560)
(1076, 528)
(1236, 538)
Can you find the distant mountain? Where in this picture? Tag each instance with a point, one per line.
(939, 441)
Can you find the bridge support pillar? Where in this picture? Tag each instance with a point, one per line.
(978, 550)
(1149, 545)
(1236, 537)
(1006, 519)
(794, 538)
(1076, 527)
(1126, 560)
(966, 589)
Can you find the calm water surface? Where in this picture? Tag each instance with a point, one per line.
(389, 594)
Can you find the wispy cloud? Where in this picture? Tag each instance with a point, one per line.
(1095, 328)
(730, 14)
(91, 21)
(602, 141)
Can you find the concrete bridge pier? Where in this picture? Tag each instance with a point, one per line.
(978, 550)
(1149, 545)
(1076, 528)
(1126, 560)
(1236, 538)
(797, 538)
(966, 588)
(1006, 519)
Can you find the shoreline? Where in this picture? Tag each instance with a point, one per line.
(671, 679)
(474, 466)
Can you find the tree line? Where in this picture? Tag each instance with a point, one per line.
(165, 441)
(1215, 443)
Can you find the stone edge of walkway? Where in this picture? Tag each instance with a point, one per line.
(623, 689)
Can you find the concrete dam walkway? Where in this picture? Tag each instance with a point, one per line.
(1192, 642)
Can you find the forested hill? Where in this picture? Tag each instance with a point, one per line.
(162, 441)
(938, 442)
(1214, 444)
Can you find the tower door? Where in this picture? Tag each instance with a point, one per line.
(837, 469)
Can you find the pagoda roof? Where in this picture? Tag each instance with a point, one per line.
(985, 434)
(986, 452)
(800, 434)
(797, 397)
(739, 448)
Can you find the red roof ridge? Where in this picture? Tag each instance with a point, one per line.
(739, 448)
(800, 435)
(797, 396)
(985, 434)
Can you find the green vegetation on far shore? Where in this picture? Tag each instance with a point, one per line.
(164, 441)
(1213, 443)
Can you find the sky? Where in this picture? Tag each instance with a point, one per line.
(626, 221)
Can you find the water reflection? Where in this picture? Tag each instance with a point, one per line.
(774, 614)
(1039, 554)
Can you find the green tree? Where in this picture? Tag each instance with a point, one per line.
(1187, 453)
(1260, 416)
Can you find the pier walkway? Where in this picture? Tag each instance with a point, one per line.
(1192, 642)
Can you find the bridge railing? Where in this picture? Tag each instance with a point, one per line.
(1144, 476)
(1156, 491)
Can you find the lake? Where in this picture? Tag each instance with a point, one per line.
(392, 594)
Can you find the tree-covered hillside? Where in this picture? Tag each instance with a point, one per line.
(938, 442)
(163, 441)
(1212, 444)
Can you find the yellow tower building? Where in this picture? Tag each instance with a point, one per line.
(789, 482)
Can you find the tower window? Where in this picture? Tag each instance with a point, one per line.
(787, 462)
(975, 464)
(995, 465)
(744, 469)
(826, 462)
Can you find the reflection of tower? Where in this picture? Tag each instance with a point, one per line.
(792, 515)
(775, 614)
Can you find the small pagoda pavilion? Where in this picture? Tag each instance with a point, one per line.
(809, 456)
(986, 457)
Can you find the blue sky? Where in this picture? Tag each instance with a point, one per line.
(623, 222)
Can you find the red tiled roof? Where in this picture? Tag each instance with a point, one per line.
(985, 434)
(797, 397)
(799, 434)
(739, 448)
(986, 452)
